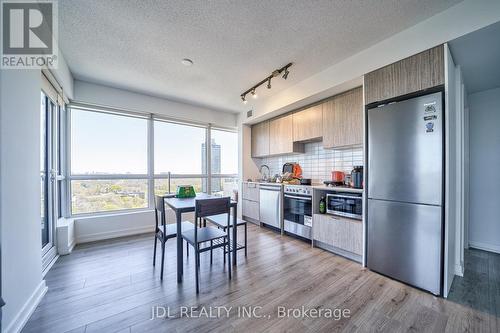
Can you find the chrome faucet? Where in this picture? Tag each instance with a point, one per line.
(262, 176)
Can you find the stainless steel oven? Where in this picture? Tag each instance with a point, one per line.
(297, 210)
(345, 204)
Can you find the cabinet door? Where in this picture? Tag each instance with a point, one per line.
(251, 191)
(421, 71)
(342, 233)
(307, 124)
(343, 120)
(281, 135)
(260, 139)
(251, 209)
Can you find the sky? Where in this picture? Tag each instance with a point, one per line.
(105, 143)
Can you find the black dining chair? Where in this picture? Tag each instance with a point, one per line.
(164, 231)
(212, 235)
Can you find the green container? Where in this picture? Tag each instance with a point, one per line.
(185, 191)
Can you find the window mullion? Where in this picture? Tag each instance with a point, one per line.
(151, 182)
(208, 154)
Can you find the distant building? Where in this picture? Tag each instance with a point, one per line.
(216, 167)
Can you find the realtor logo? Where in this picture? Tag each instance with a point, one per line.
(29, 34)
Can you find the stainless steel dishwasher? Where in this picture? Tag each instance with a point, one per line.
(270, 205)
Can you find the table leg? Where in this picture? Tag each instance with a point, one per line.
(235, 217)
(180, 265)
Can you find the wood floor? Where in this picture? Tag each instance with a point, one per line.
(111, 286)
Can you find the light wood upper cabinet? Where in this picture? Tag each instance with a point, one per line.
(343, 120)
(421, 71)
(281, 136)
(307, 124)
(260, 139)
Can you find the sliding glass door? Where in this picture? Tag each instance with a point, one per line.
(49, 171)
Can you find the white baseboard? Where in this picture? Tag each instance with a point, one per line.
(113, 234)
(27, 310)
(459, 270)
(72, 245)
(485, 246)
(49, 266)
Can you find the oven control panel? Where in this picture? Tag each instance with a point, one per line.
(298, 189)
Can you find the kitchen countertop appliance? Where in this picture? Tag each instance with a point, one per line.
(338, 177)
(297, 210)
(345, 204)
(405, 191)
(357, 177)
(270, 205)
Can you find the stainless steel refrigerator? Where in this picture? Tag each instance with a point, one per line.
(405, 191)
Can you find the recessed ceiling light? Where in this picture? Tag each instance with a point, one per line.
(187, 62)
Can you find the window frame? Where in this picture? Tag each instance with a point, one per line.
(150, 176)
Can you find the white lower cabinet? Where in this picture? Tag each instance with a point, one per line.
(339, 232)
(251, 209)
(250, 201)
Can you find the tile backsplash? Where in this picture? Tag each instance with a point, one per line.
(317, 163)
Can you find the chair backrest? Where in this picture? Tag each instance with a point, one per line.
(209, 207)
(160, 210)
(212, 206)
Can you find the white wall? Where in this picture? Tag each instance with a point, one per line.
(22, 284)
(122, 99)
(456, 21)
(484, 140)
(89, 229)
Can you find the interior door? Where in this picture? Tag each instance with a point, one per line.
(49, 169)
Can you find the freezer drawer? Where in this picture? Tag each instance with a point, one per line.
(404, 242)
(405, 151)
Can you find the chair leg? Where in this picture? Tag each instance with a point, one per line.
(197, 267)
(211, 252)
(162, 258)
(187, 248)
(246, 243)
(229, 260)
(224, 249)
(154, 251)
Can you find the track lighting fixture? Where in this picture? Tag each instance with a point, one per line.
(254, 94)
(285, 75)
(275, 73)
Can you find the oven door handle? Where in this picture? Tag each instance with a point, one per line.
(300, 198)
(346, 196)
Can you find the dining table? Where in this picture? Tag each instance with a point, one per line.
(187, 205)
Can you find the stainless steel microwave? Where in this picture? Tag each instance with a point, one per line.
(345, 204)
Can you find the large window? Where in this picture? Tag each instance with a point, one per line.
(113, 167)
(224, 166)
(108, 195)
(178, 148)
(109, 162)
(107, 144)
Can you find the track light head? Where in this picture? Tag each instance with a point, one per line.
(285, 75)
(254, 94)
(243, 99)
(269, 83)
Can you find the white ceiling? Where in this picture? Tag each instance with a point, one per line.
(478, 55)
(138, 45)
